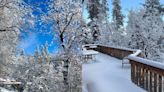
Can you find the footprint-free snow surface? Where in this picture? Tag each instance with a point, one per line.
(107, 75)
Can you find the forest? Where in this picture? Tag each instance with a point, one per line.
(58, 29)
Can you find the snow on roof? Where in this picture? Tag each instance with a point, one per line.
(147, 62)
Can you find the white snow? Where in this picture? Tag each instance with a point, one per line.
(5, 90)
(89, 52)
(107, 75)
(147, 62)
(136, 53)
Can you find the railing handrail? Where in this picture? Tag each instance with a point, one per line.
(12, 82)
(120, 48)
(144, 61)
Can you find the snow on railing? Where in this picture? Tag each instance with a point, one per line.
(147, 62)
(11, 82)
(114, 47)
(138, 52)
(147, 74)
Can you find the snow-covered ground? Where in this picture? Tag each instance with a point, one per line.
(5, 90)
(107, 75)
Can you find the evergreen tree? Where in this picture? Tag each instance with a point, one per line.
(43, 54)
(147, 29)
(93, 8)
(135, 30)
(117, 15)
(22, 53)
(153, 7)
(47, 57)
(153, 29)
(98, 13)
(37, 56)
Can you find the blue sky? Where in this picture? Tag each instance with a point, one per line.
(33, 37)
(40, 33)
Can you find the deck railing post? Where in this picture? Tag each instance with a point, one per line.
(160, 83)
(155, 82)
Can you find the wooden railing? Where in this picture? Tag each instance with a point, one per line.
(119, 53)
(146, 74)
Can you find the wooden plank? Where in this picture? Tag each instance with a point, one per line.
(155, 82)
(160, 84)
(135, 74)
(132, 72)
(150, 85)
(147, 79)
(139, 75)
(144, 75)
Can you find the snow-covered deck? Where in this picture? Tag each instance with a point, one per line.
(107, 75)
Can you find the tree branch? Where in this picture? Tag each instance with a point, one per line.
(69, 21)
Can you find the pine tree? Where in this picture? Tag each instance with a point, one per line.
(147, 27)
(42, 54)
(98, 13)
(117, 15)
(135, 30)
(22, 53)
(93, 8)
(47, 57)
(37, 56)
(153, 7)
(152, 27)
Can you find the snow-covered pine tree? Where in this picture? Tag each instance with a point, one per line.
(152, 7)
(134, 30)
(42, 54)
(37, 55)
(152, 27)
(22, 53)
(98, 13)
(93, 7)
(117, 14)
(146, 28)
(47, 56)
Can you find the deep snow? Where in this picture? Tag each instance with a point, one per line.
(107, 75)
(5, 90)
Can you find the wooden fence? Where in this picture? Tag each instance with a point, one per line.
(144, 73)
(147, 75)
(119, 53)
